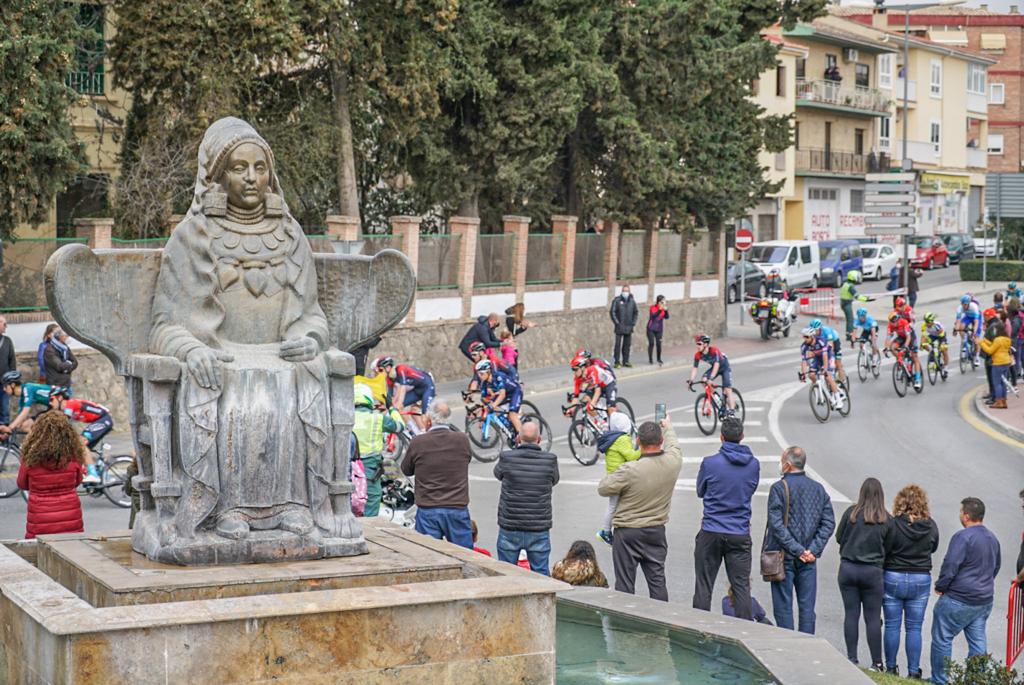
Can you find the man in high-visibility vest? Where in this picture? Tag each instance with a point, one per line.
(847, 295)
(369, 429)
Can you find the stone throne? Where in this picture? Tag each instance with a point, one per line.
(104, 298)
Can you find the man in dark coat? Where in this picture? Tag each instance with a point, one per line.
(527, 475)
(8, 362)
(624, 314)
(482, 331)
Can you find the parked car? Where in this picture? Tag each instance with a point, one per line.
(931, 251)
(798, 261)
(960, 246)
(755, 281)
(985, 247)
(879, 259)
(838, 258)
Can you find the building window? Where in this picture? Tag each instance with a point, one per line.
(822, 194)
(995, 143)
(856, 201)
(884, 133)
(801, 68)
(858, 141)
(831, 61)
(885, 63)
(936, 78)
(780, 81)
(936, 136)
(976, 79)
(862, 74)
(993, 41)
(86, 76)
(796, 135)
(996, 93)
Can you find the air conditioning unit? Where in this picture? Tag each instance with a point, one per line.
(850, 55)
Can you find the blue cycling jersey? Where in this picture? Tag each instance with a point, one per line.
(819, 348)
(497, 383)
(828, 334)
(867, 323)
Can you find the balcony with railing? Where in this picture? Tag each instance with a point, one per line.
(86, 82)
(977, 158)
(834, 95)
(977, 103)
(839, 163)
(923, 152)
(911, 91)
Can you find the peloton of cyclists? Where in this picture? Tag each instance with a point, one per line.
(408, 387)
(865, 329)
(902, 335)
(818, 356)
(500, 392)
(719, 367)
(593, 377)
(934, 334)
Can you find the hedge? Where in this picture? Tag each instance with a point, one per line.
(1001, 270)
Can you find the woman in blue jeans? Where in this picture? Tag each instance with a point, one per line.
(911, 540)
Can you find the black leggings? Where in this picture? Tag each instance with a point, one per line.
(653, 340)
(862, 585)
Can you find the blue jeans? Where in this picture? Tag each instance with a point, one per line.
(804, 579)
(536, 544)
(948, 618)
(4, 416)
(448, 523)
(905, 601)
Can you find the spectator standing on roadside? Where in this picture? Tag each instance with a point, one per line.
(997, 348)
(912, 287)
(8, 362)
(1016, 322)
(910, 542)
(624, 314)
(579, 567)
(966, 588)
(59, 360)
(483, 332)
(811, 523)
(439, 459)
(861, 536)
(894, 279)
(726, 482)
(40, 351)
(527, 475)
(645, 488)
(656, 328)
(515, 319)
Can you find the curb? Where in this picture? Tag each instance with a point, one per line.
(979, 411)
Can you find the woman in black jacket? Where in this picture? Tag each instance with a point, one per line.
(58, 360)
(911, 540)
(861, 536)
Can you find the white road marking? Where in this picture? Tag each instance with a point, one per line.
(689, 484)
(688, 424)
(716, 439)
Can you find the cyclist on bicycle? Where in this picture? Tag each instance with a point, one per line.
(719, 367)
(865, 329)
(1013, 291)
(500, 392)
(902, 336)
(478, 352)
(968, 318)
(903, 309)
(831, 335)
(816, 356)
(933, 333)
(409, 386)
(592, 378)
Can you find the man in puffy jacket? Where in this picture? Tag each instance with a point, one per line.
(527, 475)
(482, 331)
(726, 482)
(623, 313)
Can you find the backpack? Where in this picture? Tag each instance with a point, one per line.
(359, 482)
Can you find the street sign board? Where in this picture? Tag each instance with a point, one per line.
(890, 199)
(907, 177)
(895, 220)
(889, 187)
(744, 239)
(890, 204)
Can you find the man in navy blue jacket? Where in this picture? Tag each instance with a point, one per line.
(966, 587)
(726, 482)
(482, 331)
(811, 522)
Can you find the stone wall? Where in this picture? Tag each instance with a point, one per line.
(94, 380)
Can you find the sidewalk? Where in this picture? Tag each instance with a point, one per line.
(1009, 421)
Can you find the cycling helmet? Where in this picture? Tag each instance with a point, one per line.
(1012, 285)
(582, 353)
(381, 362)
(815, 324)
(965, 299)
(701, 339)
(10, 377)
(483, 365)
(894, 316)
(929, 317)
(809, 332)
(60, 391)
(853, 276)
(578, 362)
(900, 302)
(862, 313)
(477, 346)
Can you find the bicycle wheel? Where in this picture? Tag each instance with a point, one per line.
(740, 410)
(583, 443)
(876, 363)
(863, 365)
(623, 405)
(545, 430)
(475, 430)
(115, 476)
(10, 462)
(528, 407)
(899, 379)
(820, 406)
(706, 415)
(964, 358)
(847, 403)
(933, 369)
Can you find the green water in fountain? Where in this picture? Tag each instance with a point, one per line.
(595, 648)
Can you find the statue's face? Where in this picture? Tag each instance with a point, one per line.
(247, 176)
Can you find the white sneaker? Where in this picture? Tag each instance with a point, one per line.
(91, 479)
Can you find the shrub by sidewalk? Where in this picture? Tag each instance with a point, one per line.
(998, 270)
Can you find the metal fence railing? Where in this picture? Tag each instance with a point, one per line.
(438, 262)
(631, 254)
(375, 242)
(494, 253)
(140, 243)
(21, 278)
(704, 256)
(670, 254)
(543, 258)
(588, 262)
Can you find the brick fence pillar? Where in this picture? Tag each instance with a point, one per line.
(565, 226)
(518, 226)
(651, 262)
(342, 227)
(688, 268)
(469, 229)
(99, 232)
(611, 256)
(406, 230)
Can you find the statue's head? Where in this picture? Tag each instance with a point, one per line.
(236, 167)
(246, 176)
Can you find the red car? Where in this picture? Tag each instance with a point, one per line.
(930, 252)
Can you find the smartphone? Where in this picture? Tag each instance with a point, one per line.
(659, 412)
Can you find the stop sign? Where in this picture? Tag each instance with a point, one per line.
(744, 239)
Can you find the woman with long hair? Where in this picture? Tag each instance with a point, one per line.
(656, 316)
(579, 567)
(911, 541)
(861, 536)
(51, 470)
(40, 360)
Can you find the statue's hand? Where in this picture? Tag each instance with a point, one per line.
(299, 349)
(204, 365)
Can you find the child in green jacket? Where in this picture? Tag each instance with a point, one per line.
(618, 448)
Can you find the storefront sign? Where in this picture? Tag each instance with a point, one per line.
(944, 183)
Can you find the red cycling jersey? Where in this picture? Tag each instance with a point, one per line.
(83, 410)
(593, 376)
(712, 356)
(901, 329)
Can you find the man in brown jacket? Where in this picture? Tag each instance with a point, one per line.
(439, 460)
(645, 489)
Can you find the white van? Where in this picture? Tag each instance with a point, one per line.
(798, 261)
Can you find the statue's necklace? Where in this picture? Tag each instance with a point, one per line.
(246, 216)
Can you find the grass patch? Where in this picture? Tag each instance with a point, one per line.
(888, 679)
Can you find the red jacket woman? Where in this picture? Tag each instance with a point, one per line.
(51, 469)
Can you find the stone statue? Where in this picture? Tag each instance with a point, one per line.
(243, 403)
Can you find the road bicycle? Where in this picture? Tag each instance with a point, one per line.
(395, 444)
(903, 373)
(585, 430)
(936, 365)
(869, 360)
(578, 403)
(968, 353)
(492, 431)
(822, 402)
(473, 405)
(710, 407)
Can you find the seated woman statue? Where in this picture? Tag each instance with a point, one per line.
(236, 302)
